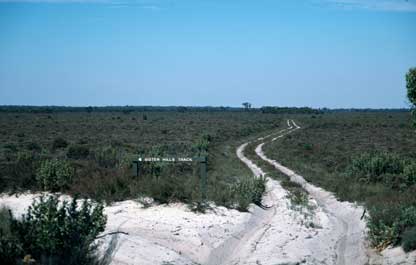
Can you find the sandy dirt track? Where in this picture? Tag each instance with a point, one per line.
(338, 233)
(282, 234)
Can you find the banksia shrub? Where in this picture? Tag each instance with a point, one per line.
(54, 232)
(55, 175)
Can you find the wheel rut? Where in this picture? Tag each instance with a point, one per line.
(277, 235)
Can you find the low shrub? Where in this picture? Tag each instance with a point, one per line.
(388, 225)
(54, 232)
(55, 175)
(11, 147)
(24, 168)
(409, 172)
(395, 181)
(201, 145)
(32, 146)
(308, 147)
(409, 239)
(78, 152)
(371, 166)
(59, 143)
(108, 157)
(10, 250)
(10, 247)
(390, 169)
(404, 221)
(249, 190)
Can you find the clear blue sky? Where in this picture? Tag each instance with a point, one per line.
(319, 53)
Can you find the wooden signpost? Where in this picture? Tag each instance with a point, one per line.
(202, 168)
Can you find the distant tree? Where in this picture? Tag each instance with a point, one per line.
(246, 105)
(411, 90)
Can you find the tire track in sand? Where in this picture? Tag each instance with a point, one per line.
(277, 235)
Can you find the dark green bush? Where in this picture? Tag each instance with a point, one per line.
(10, 250)
(11, 147)
(308, 146)
(170, 188)
(409, 172)
(409, 239)
(390, 169)
(395, 181)
(59, 143)
(32, 146)
(388, 223)
(405, 220)
(201, 145)
(10, 247)
(78, 152)
(370, 167)
(20, 171)
(55, 175)
(60, 233)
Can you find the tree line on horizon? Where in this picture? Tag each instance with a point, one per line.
(130, 109)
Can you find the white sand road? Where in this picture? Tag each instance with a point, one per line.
(325, 232)
(283, 235)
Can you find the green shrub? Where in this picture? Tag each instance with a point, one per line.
(410, 173)
(10, 247)
(371, 166)
(32, 146)
(78, 152)
(388, 224)
(54, 175)
(23, 170)
(308, 146)
(409, 239)
(395, 181)
(169, 188)
(108, 157)
(60, 233)
(11, 147)
(59, 143)
(405, 220)
(380, 223)
(249, 190)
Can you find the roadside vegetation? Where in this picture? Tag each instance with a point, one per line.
(89, 151)
(52, 232)
(367, 157)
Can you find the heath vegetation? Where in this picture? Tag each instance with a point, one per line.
(368, 157)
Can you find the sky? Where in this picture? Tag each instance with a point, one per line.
(317, 53)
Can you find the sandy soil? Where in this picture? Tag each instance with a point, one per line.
(324, 232)
(160, 234)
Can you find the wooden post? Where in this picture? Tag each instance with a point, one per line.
(203, 178)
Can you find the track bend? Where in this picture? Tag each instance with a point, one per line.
(329, 232)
